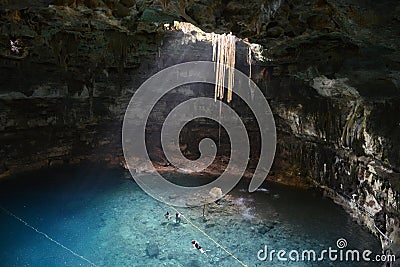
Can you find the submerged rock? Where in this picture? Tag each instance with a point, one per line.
(264, 228)
(152, 250)
(209, 225)
(193, 263)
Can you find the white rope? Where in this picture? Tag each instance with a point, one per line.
(230, 254)
(48, 237)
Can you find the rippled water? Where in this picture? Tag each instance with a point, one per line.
(106, 218)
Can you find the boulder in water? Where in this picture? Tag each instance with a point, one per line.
(216, 193)
(152, 250)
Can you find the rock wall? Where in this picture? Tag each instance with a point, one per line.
(68, 70)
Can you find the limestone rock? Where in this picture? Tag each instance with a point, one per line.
(128, 3)
(121, 11)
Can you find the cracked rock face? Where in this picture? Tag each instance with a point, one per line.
(69, 67)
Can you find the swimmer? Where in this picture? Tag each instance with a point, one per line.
(178, 217)
(167, 215)
(198, 247)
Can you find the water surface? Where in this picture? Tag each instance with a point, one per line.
(106, 218)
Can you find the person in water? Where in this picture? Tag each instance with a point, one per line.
(167, 215)
(198, 247)
(178, 217)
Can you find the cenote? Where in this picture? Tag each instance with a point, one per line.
(267, 129)
(102, 215)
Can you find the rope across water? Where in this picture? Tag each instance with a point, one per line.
(93, 264)
(48, 237)
(209, 237)
(202, 231)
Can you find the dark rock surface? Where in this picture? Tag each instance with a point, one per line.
(152, 250)
(69, 67)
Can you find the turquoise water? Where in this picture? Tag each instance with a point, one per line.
(105, 217)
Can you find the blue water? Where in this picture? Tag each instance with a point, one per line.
(105, 217)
